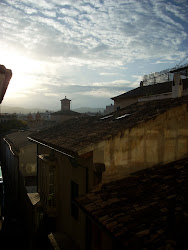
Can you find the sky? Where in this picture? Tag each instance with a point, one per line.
(87, 50)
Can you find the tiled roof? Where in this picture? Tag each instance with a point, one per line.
(4, 81)
(78, 133)
(66, 112)
(154, 89)
(145, 210)
(18, 140)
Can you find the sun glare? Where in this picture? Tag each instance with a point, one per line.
(23, 69)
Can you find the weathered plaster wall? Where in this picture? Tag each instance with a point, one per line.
(98, 155)
(65, 222)
(122, 103)
(158, 141)
(28, 160)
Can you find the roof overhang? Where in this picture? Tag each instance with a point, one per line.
(50, 147)
(5, 76)
(123, 96)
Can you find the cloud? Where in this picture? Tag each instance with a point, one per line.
(108, 74)
(92, 32)
(51, 94)
(160, 61)
(99, 93)
(89, 46)
(118, 83)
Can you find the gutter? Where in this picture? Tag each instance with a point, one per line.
(57, 150)
(10, 147)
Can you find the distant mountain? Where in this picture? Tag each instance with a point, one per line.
(10, 110)
(91, 110)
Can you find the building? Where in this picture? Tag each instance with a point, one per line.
(65, 113)
(143, 211)
(38, 117)
(46, 115)
(7, 117)
(81, 154)
(109, 109)
(20, 164)
(20, 159)
(172, 89)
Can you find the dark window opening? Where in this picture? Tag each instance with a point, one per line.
(74, 194)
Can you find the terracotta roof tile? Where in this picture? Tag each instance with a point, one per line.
(66, 112)
(77, 133)
(140, 207)
(18, 140)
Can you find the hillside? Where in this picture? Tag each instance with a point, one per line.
(10, 110)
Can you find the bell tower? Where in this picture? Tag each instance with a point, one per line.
(65, 104)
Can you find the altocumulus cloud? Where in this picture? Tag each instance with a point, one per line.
(92, 48)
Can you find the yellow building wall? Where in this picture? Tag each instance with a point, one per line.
(122, 103)
(65, 222)
(158, 141)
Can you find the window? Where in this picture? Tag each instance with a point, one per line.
(74, 194)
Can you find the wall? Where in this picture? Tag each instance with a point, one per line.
(65, 222)
(158, 141)
(160, 96)
(98, 239)
(28, 160)
(122, 103)
(155, 97)
(11, 163)
(29, 213)
(66, 171)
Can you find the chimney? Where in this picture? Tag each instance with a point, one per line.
(177, 86)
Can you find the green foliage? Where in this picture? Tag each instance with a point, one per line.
(12, 124)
